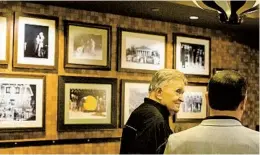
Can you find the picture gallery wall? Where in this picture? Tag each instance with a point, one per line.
(69, 73)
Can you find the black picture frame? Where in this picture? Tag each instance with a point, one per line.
(192, 54)
(74, 89)
(80, 38)
(137, 60)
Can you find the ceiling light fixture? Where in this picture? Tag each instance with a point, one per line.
(194, 17)
(230, 11)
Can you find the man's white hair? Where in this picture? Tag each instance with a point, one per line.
(164, 76)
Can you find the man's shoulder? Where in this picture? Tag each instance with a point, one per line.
(186, 133)
(147, 111)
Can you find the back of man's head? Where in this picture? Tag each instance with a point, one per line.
(226, 90)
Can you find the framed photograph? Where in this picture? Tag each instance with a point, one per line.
(141, 51)
(36, 41)
(133, 94)
(87, 45)
(192, 54)
(86, 103)
(194, 107)
(22, 103)
(215, 70)
(5, 36)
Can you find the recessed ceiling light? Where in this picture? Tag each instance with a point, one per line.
(155, 9)
(194, 17)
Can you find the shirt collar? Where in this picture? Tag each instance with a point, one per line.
(221, 121)
(222, 117)
(163, 109)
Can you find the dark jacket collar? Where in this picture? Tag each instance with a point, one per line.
(222, 117)
(163, 109)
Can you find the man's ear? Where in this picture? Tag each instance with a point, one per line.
(243, 104)
(158, 93)
(207, 98)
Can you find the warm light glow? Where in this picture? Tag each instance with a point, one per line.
(194, 17)
(155, 9)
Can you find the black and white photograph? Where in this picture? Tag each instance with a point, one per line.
(87, 103)
(17, 102)
(36, 41)
(142, 55)
(192, 54)
(194, 107)
(87, 45)
(192, 102)
(22, 102)
(141, 51)
(133, 94)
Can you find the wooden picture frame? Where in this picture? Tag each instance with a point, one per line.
(35, 41)
(22, 103)
(192, 54)
(86, 103)
(87, 45)
(194, 107)
(6, 32)
(141, 51)
(133, 94)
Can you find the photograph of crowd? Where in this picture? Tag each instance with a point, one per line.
(17, 102)
(36, 41)
(87, 103)
(88, 46)
(192, 56)
(192, 102)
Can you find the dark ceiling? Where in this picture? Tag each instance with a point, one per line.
(168, 11)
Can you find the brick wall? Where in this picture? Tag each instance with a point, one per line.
(227, 51)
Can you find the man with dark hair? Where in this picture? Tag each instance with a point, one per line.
(221, 132)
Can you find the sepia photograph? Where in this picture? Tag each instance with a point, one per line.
(36, 41)
(21, 102)
(133, 94)
(141, 51)
(192, 54)
(4, 38)
(87, 45)
(86, 103)
(194, 107)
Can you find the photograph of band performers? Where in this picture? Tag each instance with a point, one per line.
(87, 103)
(17, 102)
(192, 102)
(192, 56)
